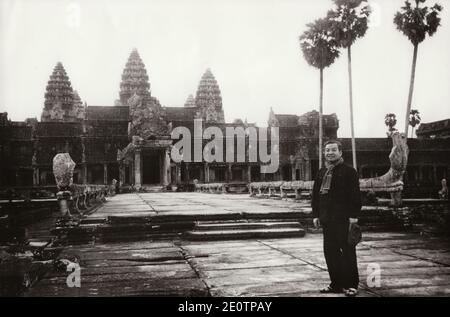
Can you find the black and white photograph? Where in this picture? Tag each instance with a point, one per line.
(200, 149)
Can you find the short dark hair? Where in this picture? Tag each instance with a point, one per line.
(339, 144)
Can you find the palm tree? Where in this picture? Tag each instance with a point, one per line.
(320, 50)
(414, 119)
(390, 121)
(416, 23)
(349, 22)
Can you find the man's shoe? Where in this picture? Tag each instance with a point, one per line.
(331, 290)
(351, 292)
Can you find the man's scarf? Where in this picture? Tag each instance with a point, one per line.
(326, 180)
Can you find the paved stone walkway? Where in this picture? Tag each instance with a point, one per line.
(410, 265)
(194, 204)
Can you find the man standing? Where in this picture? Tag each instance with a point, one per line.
(336, 205)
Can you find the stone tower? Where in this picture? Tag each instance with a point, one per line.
(78, 108)
(134, 79)
(208, 98)
(59, 97)
(190, 102)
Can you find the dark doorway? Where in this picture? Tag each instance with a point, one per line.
(97, 174)
(113, 172)
(255, 173)
(151, 170)
(287, 173)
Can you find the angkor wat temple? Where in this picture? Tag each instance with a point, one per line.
(130, 140)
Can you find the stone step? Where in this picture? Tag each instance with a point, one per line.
(245, 225)
(244, 234)
(152, 188)
(93, 221)
(212, 216)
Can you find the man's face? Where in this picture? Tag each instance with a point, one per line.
(332, 153)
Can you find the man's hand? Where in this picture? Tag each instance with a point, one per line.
(316, 223)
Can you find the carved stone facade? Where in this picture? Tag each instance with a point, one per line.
(147, 117)
(432, 130)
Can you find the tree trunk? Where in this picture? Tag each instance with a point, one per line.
(320, 118)
(350, 93)
(411, 88)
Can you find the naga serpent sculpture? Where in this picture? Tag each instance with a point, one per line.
(392, 180)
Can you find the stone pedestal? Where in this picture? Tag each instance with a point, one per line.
(396, 199)
(64, 198)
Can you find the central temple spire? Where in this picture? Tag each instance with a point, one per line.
(209, 99)
(134, 78)
(208, 92)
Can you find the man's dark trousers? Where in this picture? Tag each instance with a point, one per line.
(340, 256)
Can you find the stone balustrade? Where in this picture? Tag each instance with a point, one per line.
(221, 188)
(85, 196)
(281, 189)
(217, 188)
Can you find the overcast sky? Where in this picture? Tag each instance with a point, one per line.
(251, 47)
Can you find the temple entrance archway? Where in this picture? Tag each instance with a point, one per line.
(151, 168)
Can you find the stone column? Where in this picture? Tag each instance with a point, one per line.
(308, 170)
(35, 176)
(166, 167)
(84, 173)
(131, 173)
(121, 174)
(105, 174)
(435, 178)
(420, 174)
(202, 174)
(249, 173)
(229, 179)
(186, 174)
(137, 169)
(206, 173)
(293, 172)
(178, 173)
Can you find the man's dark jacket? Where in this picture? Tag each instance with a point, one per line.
(344, 198)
